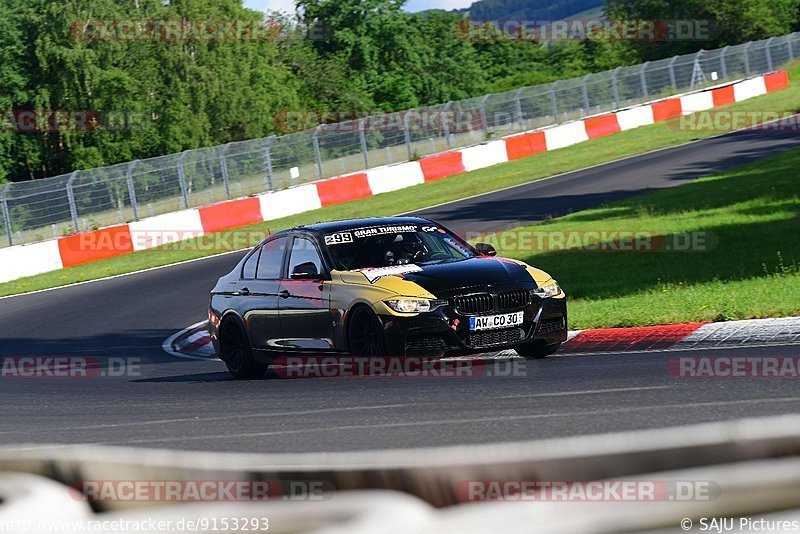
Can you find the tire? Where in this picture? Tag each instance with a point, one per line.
(537, 350)
(365, 336)
(236, 352)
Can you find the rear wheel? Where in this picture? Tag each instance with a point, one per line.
(237, 353)
(537, 350)
(365, 334)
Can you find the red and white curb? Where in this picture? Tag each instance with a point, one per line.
(192, 343)
(689, 336)
(745, 333)
(195, 342)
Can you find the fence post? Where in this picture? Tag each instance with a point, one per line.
(724, 64)
(553, 98)
(790, 47)
(223, 163)
(268, 162)
(362, 137)
(747, 57)
(407, 135)
(446, 123)
(484, 113)
(518, 106)
(643, 79)
(585, 93)
(672, 73)
(615, 87)
(697, 70)
(73, 209)
(132, 189)
(769, 52)
(317, 151)
(6, 215)
(182, 180)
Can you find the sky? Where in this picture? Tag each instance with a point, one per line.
(412, 5)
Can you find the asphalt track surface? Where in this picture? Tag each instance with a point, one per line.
(183, 404)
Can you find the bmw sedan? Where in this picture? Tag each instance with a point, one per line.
(398, 286)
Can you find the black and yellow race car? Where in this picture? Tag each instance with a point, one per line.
(396, 286)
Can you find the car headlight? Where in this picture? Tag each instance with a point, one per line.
(414, 305)
(547, 291)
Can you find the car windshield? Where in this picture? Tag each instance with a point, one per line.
(387, 246)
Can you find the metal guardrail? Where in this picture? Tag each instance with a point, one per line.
(751, 464)
(86, 199)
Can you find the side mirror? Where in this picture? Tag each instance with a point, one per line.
(485, 249)
(305, 271)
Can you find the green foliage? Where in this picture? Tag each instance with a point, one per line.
(178, 94)
(170, 95)
(401, 60)
(730, 21)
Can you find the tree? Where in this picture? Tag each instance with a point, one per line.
(401, 60)
(730, 21)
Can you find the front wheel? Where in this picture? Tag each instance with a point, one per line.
(236, 352)
(365, 334)
(537, 350)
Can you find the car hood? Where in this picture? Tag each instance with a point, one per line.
(482, 274)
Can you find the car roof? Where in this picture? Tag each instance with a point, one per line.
(352, 224)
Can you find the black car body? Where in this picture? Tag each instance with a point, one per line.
(381, 287)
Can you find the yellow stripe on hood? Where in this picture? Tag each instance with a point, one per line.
(393, 284)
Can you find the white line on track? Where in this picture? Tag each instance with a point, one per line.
(587, 392)
(325, 410)
(439, 422)
(219, 418)
(372, 427)
(86, 282)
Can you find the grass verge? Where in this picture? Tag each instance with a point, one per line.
(742, 232)
(594, 152)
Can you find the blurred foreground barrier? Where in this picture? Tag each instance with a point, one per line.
(748, 468)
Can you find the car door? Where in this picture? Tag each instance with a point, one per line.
(306, 319)
(259, 289)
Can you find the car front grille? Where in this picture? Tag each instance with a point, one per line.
(475, 304)
(513, 300)
(483, 303)
(490, 338)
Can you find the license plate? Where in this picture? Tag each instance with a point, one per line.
(494, 322)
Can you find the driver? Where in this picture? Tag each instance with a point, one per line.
(404, 250)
